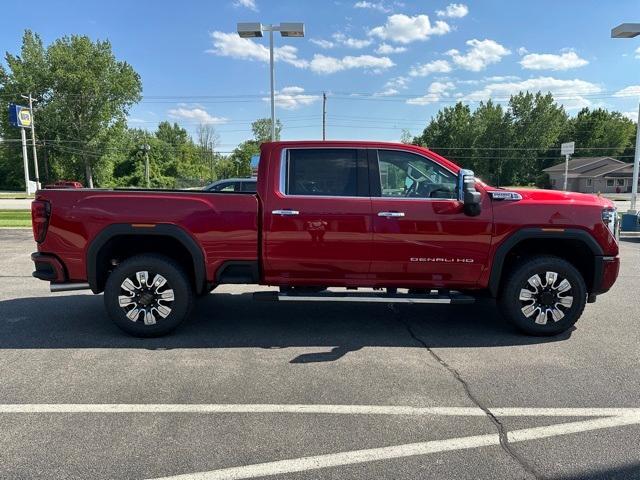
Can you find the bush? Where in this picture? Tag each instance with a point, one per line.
(543, 181)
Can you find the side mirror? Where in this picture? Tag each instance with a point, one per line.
(467, 193)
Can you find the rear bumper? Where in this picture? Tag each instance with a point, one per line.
(48, 267)
(606, 270)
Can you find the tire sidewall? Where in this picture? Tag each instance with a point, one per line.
(176, 279)
(511, 306)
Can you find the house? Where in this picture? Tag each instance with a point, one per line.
(593, 175)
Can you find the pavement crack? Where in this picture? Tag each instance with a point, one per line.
(502, 432)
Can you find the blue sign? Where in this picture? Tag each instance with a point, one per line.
(19, 116)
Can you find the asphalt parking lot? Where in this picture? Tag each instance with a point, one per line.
(302, 391)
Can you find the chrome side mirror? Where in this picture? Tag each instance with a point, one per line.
(467, 192)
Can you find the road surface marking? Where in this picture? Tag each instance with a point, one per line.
(310, 409)
(400, 451)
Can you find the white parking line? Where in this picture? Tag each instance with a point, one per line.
(401, 451)
(609, 417)
(311, 409)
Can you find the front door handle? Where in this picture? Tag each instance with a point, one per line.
(285, 213)
(391, 214)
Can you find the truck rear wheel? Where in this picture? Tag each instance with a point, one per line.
(543, 296)
(148, 295)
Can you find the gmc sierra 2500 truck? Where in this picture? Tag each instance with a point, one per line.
(397, 220)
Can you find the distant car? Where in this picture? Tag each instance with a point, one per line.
(64, 184)
(239, 185)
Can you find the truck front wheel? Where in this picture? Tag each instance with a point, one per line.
(543, 296)
(148, 295)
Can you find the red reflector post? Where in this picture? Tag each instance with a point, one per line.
(40, 219)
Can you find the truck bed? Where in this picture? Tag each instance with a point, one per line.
(224, 225)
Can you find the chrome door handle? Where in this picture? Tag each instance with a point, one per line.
(391, 214)
(285, 213)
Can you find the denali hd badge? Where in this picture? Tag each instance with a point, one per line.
(441, 259)
(503, 195)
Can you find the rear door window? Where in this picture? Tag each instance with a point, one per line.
(334, 172)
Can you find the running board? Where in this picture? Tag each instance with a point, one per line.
(368, 297)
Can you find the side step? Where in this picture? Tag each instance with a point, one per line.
(368, 297)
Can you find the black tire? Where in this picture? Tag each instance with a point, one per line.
(546, 298)
(176, 280)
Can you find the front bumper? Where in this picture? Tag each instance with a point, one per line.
(48, 267)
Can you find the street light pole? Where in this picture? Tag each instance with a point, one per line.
(253, 30)
(630, 30)
(273, 88)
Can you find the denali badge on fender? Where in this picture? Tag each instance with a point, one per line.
(505, 195)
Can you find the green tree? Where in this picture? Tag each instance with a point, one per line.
(450, 133)
(81, 90)
(492, 133)
(538, 123)
(601, 133)
(262, 130)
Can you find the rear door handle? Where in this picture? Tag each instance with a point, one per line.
(285, 213)
(391, 214)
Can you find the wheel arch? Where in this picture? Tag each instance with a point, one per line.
(186, 250)
(582, 250)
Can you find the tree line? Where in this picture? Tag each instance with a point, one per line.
(83, 95)
(512, 145)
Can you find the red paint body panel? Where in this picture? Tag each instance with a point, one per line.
(333, 240)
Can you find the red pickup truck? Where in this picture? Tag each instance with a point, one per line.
(391, 222)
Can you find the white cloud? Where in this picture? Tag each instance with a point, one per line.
(324, 64)
(250, 4)
(567, 92)
(454, 10)
(393, 86)
(480, 54)
(631, 115)
(323, 43)
(381, 7)
(435, 92)
(437, 66)
(231, 45)
(522, 51)
(638, 52)
(291, 98)
(351, 42)
(549, 61)
(196, 113)
(401, 28)
(501, 78)
(630, 91)
(386, 49)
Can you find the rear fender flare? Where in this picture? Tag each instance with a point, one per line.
(166, 230)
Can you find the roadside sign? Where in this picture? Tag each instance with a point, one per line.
(567, 148)
(19, 116)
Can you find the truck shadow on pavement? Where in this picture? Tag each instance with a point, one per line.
(236, 321)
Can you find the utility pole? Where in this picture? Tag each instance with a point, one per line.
(324, 115)
(33, 141)
(145, 147)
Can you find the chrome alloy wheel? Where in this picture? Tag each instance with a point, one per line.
(150, 299)
(548, 298)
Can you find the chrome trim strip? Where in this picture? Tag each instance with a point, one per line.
(300, 298)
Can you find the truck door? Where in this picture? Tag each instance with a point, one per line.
(317, 224)
(421, 234)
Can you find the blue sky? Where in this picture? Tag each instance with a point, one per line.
(385, 65)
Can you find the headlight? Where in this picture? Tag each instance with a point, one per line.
(610, 219)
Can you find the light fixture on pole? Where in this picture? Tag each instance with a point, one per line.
(254, 30)
(630, 30)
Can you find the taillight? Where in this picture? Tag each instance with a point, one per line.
(40, 211)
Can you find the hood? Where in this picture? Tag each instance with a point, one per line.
(557, 196)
